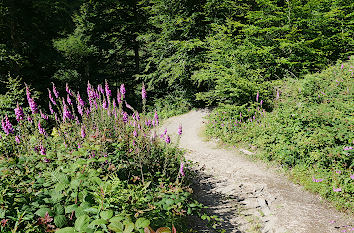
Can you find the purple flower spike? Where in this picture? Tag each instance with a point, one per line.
(261, 102)
(277, 95)
(31, 102)
(17, 139)
(342, 66)
(181, 169)
(156, 117)
(122, 90)
(119, 97)
(51, 97)
(19, 113)
(7, 126)
(44, 116)
(108, 91)
(66, 112)
(125, 117)
(41, 129)
(104, 104)
(135, 133)
(55, 91)
(51, 109)
(100, 89)
(42, 150)
(179, 130)
(29, 119)
(143, 92)
(69, 100)
(168, 139)
(68, 89)
(80, 100)
(257, 96)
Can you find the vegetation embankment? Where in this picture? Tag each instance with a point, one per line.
(309, 131)
(92, 165)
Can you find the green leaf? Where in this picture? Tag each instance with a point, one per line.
(163, 230)
(107, 214)
(59, 209)
(116, 227)
(60, 220)
(66, 230)
(128, 227)
(70, 208)
(82, 223)
(142, 223)
(41, 212)
(97, 222)
(117, 218)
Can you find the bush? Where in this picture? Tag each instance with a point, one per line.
(89, 166)
(309, 131)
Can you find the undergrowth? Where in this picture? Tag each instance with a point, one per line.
(309, 131)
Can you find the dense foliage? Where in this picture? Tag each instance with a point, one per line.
(89, 166)
(310, 130)
(216, 50)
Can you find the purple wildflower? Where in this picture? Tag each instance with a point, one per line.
(108, 91)
(179, 130)
(168, 139)
(104, 104)
(42, 150)
(316, 180)
(19, 113)
(68, 89)
(156, 117)
(100, 89)
(29, 119)
(181, 169)
(31, 102)
(51, 97)
(55, 91)
(135, 133)
(348, 148)
(122, 90)
(125, 117)
(43, 115)
(352, 176)
(261, 102)
(46, 160)
(338, 172)
(257, 96)
(17, 139)
(119, 97)
(128, 106)
(7, 126)
(66, 112)
(80, 100)
(143, 92)
(337, 189)
(69, 100)
(342, 66)
(51, 109)
(41, 129)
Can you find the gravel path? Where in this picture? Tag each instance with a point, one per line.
(246, 195)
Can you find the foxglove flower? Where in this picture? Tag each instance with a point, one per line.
(261, 102)
(29, 119)
(42, 150)
(41, 129)
(337, 189)
(179, 130)
(348, 148)
(181, 169)
(128, 106)
(7, 126)
(257, 96)
(55, 91)
(17, 139)
(143, 92)
(100, 89)
(19, 113)
(156, 117)
(342, 66)
(68, 89)
(80, 100)
(51, 97)
(43, 115)
(104, 104)
(352, 176)
(135, 133)
(119, 97)
(69, 100)
(66, 112)
(125, 117)
(122, 90)
(168, 139)
(108, 91)
(32, 104)
(51, 109)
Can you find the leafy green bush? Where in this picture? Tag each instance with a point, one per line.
(310, 130)
(89, 167)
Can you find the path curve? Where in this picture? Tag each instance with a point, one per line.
(248, 196)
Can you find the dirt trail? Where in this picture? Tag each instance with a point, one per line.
(248, 196)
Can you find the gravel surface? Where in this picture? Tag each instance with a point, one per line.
(249, 196)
